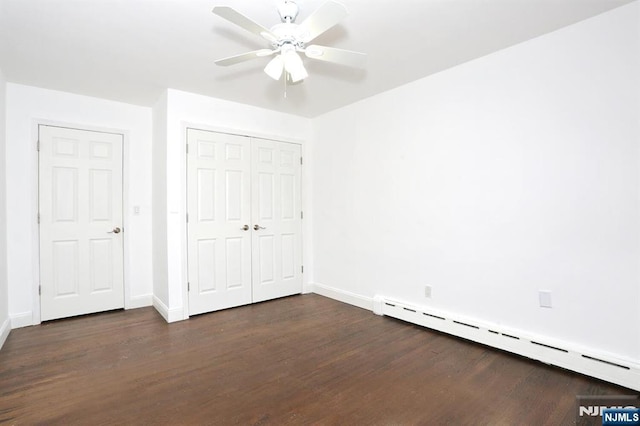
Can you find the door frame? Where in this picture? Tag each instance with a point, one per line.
(305, 234)
(35, 196)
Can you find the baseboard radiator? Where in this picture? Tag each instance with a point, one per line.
(622, 372)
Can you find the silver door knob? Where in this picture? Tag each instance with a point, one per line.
(116, 230)
(256, 227)
(245, 228)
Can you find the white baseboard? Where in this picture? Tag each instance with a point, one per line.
(23, 319)
(5, 329)
(140, 301)
(169, 315)
(624, 372)
(343, 296)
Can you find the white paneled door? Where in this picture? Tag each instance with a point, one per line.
(277, 222)
(244, 220)
(219, 237)
(80, 215)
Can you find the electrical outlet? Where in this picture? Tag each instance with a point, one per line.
(545, 298)
(427, 291)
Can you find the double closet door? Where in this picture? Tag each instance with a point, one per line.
(244, 220)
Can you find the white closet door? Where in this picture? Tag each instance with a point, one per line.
(277, 223)
(81, 245)
(219, 244)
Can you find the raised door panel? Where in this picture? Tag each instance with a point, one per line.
(65, 269)
(206, 195)
(64, 194)
(266, 273)
(101, 265)
(100, 209)
(207, 277)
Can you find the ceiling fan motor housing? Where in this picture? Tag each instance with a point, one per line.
(287, 33)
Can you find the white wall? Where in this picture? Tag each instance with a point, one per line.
(185, 109)
(514, 173)
(5, 325)
(26, 106)
(159, 202)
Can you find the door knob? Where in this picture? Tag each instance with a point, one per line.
(256, 227)
(116, 230)
(245, 228)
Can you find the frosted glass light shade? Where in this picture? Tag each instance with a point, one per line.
(294, 66)
(275, 67)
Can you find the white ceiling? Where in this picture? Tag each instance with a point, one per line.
(130, 50)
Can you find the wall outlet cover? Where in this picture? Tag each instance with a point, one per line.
(545, 298)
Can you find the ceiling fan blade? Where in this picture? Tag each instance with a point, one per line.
(242, 21)
(338, 56)
(232, 60)
(325, 17)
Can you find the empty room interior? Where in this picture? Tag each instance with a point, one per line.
(319, 211)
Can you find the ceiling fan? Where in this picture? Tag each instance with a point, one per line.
(288, 39)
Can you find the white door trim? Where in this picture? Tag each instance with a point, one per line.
(237, 132)
(35, 242)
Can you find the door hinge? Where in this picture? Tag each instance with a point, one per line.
(38, 145)
(188, 286)
(301, 215)
(187, 145)
(39, 290)
(187, 217)
(302, 269)
(38, 218)
(301, 161)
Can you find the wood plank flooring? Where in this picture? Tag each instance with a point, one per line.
(298, 360)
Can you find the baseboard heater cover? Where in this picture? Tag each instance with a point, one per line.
(621, 372)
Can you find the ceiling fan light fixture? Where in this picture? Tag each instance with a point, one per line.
(293, 65)
(298, 72)
(275, 67)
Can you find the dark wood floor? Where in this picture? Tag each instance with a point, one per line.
(298, 360)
